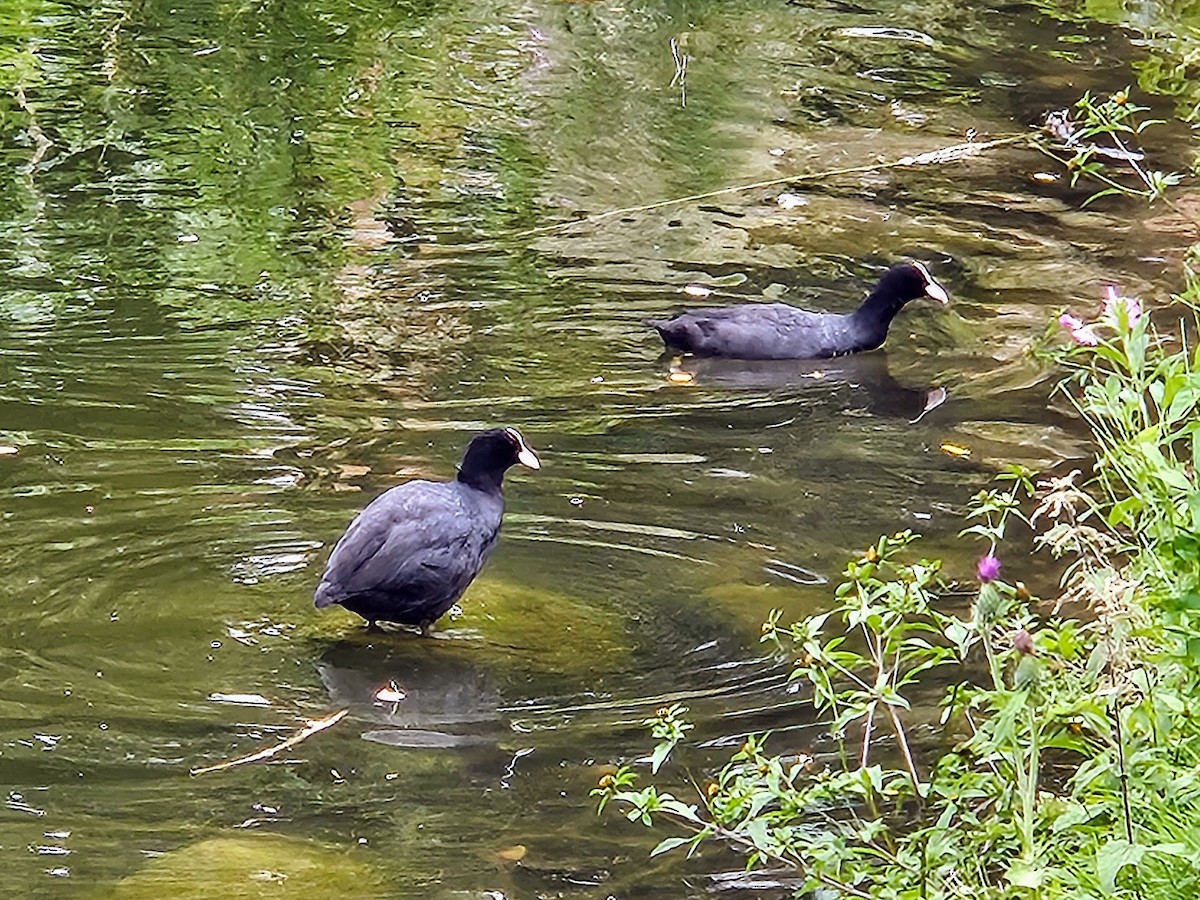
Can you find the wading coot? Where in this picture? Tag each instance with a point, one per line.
(779, 331)
(412, 552)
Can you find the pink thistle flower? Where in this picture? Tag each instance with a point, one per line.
(1080, 331)
(988, 568)
(1070, 322)
(1114, 303)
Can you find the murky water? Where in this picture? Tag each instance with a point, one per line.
(263, 261)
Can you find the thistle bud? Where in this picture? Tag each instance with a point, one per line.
(1023, 643)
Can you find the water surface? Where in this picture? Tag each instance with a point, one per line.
(262, 262)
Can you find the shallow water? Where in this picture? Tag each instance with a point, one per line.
(264, 261)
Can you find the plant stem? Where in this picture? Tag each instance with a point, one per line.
(902, 739)
(1122, 772)
(866, 747)
(985, 634)
(1028, 787)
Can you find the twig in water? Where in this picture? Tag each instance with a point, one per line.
(680, 76)
(934, 157)
(308, 731)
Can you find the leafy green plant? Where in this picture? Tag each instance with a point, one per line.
(1141, 398)
(1068, 759)
(1098, 134)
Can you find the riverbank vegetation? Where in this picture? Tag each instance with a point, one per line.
(1063, 757)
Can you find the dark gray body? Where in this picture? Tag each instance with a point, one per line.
(413, 551)
(779, 331)
(771, 331)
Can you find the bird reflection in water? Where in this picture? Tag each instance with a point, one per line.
(413, 696)
(872, 386)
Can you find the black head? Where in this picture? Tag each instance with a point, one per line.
(908, 281)
(490, 455)
(899, 284)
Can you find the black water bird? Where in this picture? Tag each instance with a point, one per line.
(412, 552)
(779, 331)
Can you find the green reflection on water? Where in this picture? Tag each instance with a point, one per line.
(253, 866)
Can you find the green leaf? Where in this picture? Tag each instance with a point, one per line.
(1112, 857)
(1024, 874)
(660, 754)
(1104, 193)
(1171, 849)
(1073, 815)
(959, 634)
(1183, 405)
(757, 831)
(669, 844)
(1193, 650)
(1122, 512)
(1027, 672)
(1174, 478)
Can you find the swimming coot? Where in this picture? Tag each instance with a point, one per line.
(412, 552)
(779, 331)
